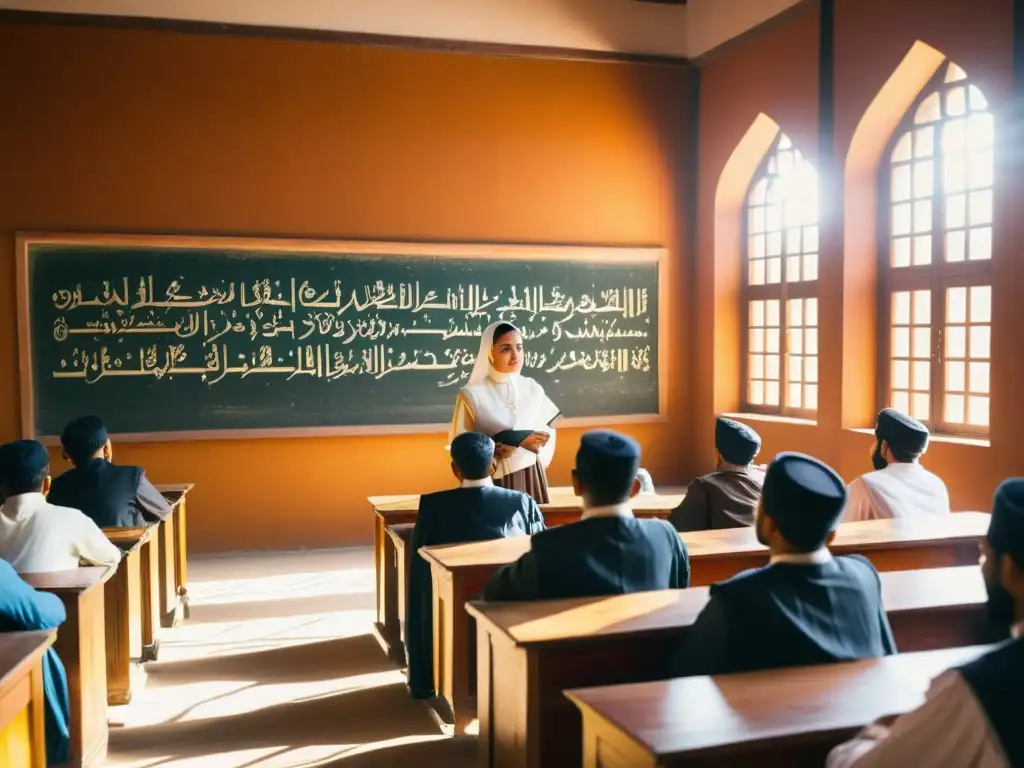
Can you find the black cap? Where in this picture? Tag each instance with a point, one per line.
(737, 442)
(607, 463)
(23, 465)
(805, 497)
(1006, 528)
(902, 433)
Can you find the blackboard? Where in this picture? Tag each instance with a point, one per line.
(184, 337)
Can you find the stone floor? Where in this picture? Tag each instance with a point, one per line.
(278, 668)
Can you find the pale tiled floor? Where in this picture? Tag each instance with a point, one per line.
(277, 668)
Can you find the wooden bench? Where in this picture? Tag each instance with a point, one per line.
(130, 617)
(459, 571)
(22, 702)
(174, 555)
(529, 653)
(81, 645)
(786, 717)
(564, 507)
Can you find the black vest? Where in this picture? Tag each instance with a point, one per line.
(105, 492)
(997, 680)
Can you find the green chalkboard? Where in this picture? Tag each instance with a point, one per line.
(170, 337)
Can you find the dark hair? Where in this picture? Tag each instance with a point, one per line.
(472, 453)
(501, 330)
(24, 465)
(612, 485)
(901, 454)
(806, 537)
(82, 437)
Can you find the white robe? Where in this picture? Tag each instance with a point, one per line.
(899, 490)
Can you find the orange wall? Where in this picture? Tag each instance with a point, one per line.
(774, 70)
(157, 131)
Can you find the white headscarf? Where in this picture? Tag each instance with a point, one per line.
(482, 366)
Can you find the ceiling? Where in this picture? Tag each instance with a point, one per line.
(655, 27)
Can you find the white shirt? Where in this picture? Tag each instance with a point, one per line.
(613, 510)
(817, 557)
(899, 490)
(483, 482)
(36, 536)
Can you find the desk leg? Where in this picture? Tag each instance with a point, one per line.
(452, 640)
(150, 587)
(181, 557)
(379, 538)
(170, 605)
(122, 595)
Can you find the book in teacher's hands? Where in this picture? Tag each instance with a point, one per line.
(515, 437)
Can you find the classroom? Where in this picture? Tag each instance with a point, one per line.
(299, 263)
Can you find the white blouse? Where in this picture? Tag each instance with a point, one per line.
(517, 403)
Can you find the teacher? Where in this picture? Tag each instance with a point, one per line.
(510, 407)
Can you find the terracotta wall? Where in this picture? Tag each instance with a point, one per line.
(774, 70)
(156, 131)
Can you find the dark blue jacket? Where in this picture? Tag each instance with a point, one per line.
(113, 496)
(786, 615)
(598, 556)
(452, 517)
(23, 609)
(997, 680)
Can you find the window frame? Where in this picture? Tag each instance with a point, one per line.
(938, 276)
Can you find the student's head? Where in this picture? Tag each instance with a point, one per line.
(898, 438)
(86, 438)
(735, 443)
(472, 456)
(506, 349)
(1002, 554)
(24, 468)
(606, 467)
(801, 503)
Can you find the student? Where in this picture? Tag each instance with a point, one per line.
(972, 715)
(608, 551)
(899, 486)
(36, 536)
(728, 497)
(112, 496)
(23, 609)
(805, 606)
(476, 511)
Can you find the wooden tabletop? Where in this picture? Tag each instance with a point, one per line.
(19, 650)
(700, 714)
(729, 542)
(574, 619)
(73, 580)
(562, 497)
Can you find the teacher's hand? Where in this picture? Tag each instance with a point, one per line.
(535, 442)
(502, 451)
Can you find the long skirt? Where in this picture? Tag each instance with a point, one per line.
(532, 481)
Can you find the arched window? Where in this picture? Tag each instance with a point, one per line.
(780, 286)
(936, 276)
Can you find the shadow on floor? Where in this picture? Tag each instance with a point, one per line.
(275, 609)
(441, 753)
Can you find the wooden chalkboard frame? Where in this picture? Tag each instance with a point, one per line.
(24, 241)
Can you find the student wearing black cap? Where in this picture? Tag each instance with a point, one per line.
(728, 497)
(806, 606)
(112, 495)
(899, 486)
(972, 716)
(36, 536)
(476, 511)
(608, 551)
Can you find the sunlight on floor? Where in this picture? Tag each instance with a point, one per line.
(277, 669)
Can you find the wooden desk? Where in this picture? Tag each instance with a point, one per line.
(81, 645)
(564, 507)
(528, 653)
(399, 561)
(459, 571)
(787, 717)
(130, 612)
(174, 554)
(22, 703)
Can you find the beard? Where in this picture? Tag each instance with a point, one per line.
(1000, 607)
(759, 531)
(877, 459)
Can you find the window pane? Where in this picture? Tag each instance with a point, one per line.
(975, 99)
(955, 409)
(796, 341)
(980, 244)
(979, 378)
(956, 305)
(810, 239)
(900, 374)
(792, 269)
(924, 178)
(924, 142)
(954, 137)
(901, 308)
(811, 397)
(811, 341)
(901, 342)
(793, 240)
(922, 342)
(981, 304)
(954, 74)
(771, 393)
(977, 411)
(956, 246)
(757, 393)
(980, 166)
(981, 207)
(810, 312)
(956, 101)
(774, 271)
(756, 275)
(923, 216)
(956, 342)
(774, 244)
(922, 307)
(901, 221)
(922, 375)
(757, 313)
(900, 183)
(980, 336)
(756, 366)
(796, 312)
(919, 406)
(756, 220)
(811, 266)
(981, 131)
(758, 192)
(811, 369)
(771, 312)
(929, 110)
(772, 340)
(955, 380)
(923, 247)
(796, 368)
(901, 401)
(771, 367)
(757, 247)
(902, 149)
(773, 218)
(956, 211)
(901, 252)
(756, 340)
(795, 401)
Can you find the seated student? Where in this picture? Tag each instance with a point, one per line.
(113, 496)
(727, 498)
(23, 609)
(805, 606)
(971, 715)
(608, 552)
(899, 486)
(36, 536)
(476, 511)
